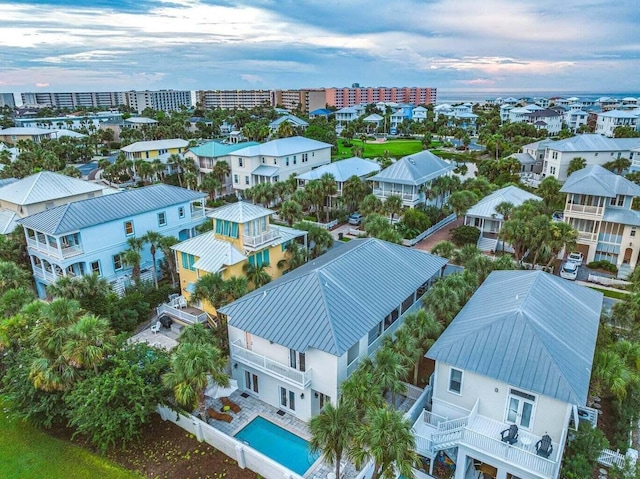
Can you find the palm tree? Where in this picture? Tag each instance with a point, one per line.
(443, 302)
(210, 183)
(236, 287)
(393, 206)
(221, 170)
(461, 201)
(257, 274)
(291, 212)
(197, 334)
(90, 341)
(329, 188)
(12, 276)
(315, 192)
(178, 163)
(426, 330)
(390, 371)
(576, 164)
(386, 438)
(285, 130)
(132, 257)
(295, 256)
(153, 238)
(370, 204)
(360, 391)
(165, 243)
(191, 367)
(353, 192)
(331, 432)
(444, 248)
(210, 288)
(320, 240)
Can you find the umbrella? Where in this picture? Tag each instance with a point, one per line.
(216, 391)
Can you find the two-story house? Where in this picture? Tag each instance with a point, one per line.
(148, 150)
(546, 119)
(410, 178)
(277, 160)
(517, 356)
(294, 121)
(14, 134)
(296, 339)
(242, 233)
(88, 236)
(598, 205)
(207, 155)
(608, 121)
(40, 192)
(346, 115)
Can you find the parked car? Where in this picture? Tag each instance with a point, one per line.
(576, 258)
(557, 216)
(569, 270)
(355, 218)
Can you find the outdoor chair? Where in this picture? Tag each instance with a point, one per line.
(233, 406)
(156, 327)
(218, 416)
(510, 435)
(544, 448)
(182, 303)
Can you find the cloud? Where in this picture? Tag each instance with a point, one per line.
(252, 78)
(42, 85)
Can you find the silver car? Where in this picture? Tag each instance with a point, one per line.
(569, 270)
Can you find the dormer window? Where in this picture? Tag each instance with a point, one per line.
(617, 201)
(227, 228)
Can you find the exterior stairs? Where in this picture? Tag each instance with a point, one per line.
(487, 244)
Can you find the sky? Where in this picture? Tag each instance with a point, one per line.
(453, 45)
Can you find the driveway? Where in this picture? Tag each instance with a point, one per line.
(441, 235)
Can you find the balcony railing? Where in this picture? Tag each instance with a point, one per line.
(587, 237)
(261, 239)
(54, 251)
(584, 209)
(405, 196)
(301, 379)
(46, 275)
(181, 315)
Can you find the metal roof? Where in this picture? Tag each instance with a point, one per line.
(593, 142)
(290, 118)
(239, 212)
(486, 208)
(213, 149)
(331, 302)
(266, 170)
(103, 209)
(342, 170)
(618, 114)
(142, 120)
(24, 130)
(45, 186)
(598, 181)
(373, 117)
(8, 221)
(213, 254)
(155, 145)
(282, 147)
(529, 329)
(622, 216)
(524, 158)
(414, 169)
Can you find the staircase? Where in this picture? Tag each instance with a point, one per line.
(624, 271)
(487, 244)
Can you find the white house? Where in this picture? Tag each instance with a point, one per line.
(517, 356)
(608, 121)
(277, 160)
(293, 341)
(419, 114)
(348, 114)
(410, 177)
(294, 121)
(545, 119)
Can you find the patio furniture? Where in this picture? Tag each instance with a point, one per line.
(233, 406)
(510, 435)
(156, 327)
(218, 416)
(544, 448)
(181, 302)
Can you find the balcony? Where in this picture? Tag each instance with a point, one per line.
(261, 239)
(300, 379)
(434, 433)
(46, 275)
(587, 237)
(573, 209)
(410, 197)
(54, 251)
(180, 314)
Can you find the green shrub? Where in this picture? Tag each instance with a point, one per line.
(465, 234)
(603, 264)
(416, 220)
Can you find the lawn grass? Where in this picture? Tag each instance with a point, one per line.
(396, 148)
(611, 294)
(29, 454)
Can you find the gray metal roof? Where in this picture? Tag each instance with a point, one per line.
(282, 147)
(45, 186)
(529, 329)
(239, 212)
(414, 169)
(342, 170)
(523, 158)
(213, 254)
(266, 170)
(102, 209)
(486, 208)
(598, 181)
(593, 142)
(333, 301)
(8, 220)
(622, 216)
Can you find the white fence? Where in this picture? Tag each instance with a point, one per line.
(246, 456)
(607, 281)
(611, 458)
(438, 226)
(324, 226)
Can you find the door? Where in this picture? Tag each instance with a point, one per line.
(251, 382)
(520, 406)
(287, 399)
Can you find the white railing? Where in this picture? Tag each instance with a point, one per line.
(199, 213)
(65, 252)
(356, 233)
(611, 458)
(428, 232)
(585, 209)
(46, 275)
(607, 281)
(324, 226)
(180, 314)
(433, 419)
(301, 379)
(589, 237)
(259, 240)
(413, 392)
(405, 196)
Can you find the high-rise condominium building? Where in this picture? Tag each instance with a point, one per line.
(165, 100)
(306, 100)
(102, 99)
(343, 97)
(6, 99)
(229, 99)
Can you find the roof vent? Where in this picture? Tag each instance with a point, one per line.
(517, 296)
(412, 161)
(264, 294)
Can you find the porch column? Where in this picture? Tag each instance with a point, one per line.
(461, 465)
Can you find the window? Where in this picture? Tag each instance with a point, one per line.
(240, 162)
(128, 228)
(375, 333)
(259, 258)
(633, 232)
(297, 360)
(286, 161)
(117, 262)
(162, 218)
(227, 228)
(49, 205)
(181, 212)
(235, 178)
(305, 157)
(617, 201)
(353, 353)
(95, 268)
(188, 261)
(455, 381)
(246, 180)
(287, 399)
(295, 159)
(275, 161)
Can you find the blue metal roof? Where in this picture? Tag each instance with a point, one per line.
(102, 209)
(214, 149)
(414, 169)
(598, 181)
(331, 302)
(529, 329)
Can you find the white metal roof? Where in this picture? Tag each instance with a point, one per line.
(45, 186)
(282, 147)
(342, 170)
(414, 169)
(239, 212)
(486, 208)
(155, 145)
(213, 254)
(24, 130)
(598, 181)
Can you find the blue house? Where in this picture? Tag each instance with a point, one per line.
(88, 236)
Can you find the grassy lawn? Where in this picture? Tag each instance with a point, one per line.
(612, 294)
(28, 453)
(396, 148)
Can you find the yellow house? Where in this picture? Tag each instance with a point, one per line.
(148, 150)
(242, 233)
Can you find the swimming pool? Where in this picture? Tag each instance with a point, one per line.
(279, 444)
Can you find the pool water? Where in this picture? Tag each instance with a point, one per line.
(279, 444)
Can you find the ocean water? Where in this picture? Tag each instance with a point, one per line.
(445, 96)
